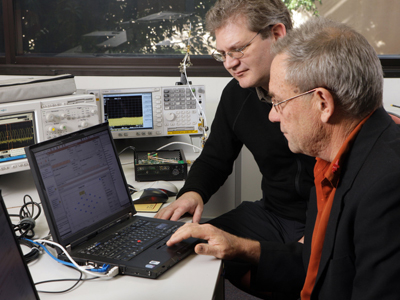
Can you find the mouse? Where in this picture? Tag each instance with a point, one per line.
(165, 186)
(149, 195)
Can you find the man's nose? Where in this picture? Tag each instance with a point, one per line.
(230, 62)
(273, 115)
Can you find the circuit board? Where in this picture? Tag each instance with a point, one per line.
(160, 165)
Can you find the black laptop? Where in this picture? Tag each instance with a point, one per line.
(15, 278)
(89, 210)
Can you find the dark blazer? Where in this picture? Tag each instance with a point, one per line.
(361, 252)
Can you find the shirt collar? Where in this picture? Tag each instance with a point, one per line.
(333, 172)
(263, 95)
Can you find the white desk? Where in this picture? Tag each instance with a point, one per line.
(196, 277)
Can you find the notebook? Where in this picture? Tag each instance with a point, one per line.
(89, 210)
(15, 278)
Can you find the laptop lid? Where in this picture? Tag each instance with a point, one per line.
(84, 193)
(81, 184)
(15, 279)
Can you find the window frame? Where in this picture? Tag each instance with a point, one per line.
(203, 66)
(390, 65)
(80, 66)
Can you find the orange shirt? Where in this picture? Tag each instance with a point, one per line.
(326, 179)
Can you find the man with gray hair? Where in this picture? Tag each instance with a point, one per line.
(326, 88)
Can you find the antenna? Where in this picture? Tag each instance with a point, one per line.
(186, 63)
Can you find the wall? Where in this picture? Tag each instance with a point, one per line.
(391, 94)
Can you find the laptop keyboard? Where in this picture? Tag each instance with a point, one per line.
(132, 240)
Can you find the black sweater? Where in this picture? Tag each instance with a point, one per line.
(242, 119)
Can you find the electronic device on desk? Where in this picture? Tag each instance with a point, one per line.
(160, 165)
(151, 112)
(37, 87)
(25, 123)
(149, 196)
(167, 187)
(155, 192)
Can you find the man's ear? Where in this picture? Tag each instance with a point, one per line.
(278, 31)
(325, 104)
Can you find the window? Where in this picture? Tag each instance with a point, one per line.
(109, 37)
(373, 19)
(376, 20)
(73, 28)
(150, 37)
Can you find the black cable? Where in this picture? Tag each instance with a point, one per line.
(78, 280)
(131, 189)
(24, 212)
(33, 254)
(27, 217)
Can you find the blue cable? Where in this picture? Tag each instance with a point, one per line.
(51, 255)
(104, 268)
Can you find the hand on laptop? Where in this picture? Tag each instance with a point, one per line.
(221, 244)
(190, 202)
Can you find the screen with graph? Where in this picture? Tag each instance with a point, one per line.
(128, 111)
(16, 132)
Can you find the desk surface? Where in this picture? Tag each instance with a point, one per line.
(196, 277)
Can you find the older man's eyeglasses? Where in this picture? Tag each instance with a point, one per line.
(236, 53)
(283, 101)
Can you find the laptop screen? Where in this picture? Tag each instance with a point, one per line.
(15, 279)
(81, 179)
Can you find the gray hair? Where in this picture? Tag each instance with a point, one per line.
(324, 53)
(259, 14)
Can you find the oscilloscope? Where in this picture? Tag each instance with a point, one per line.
(24, 123)
(152, 112)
